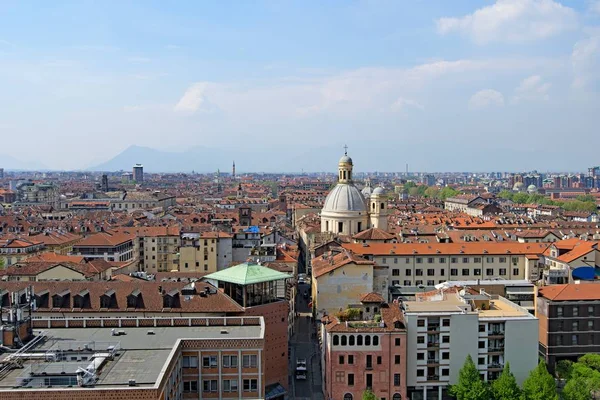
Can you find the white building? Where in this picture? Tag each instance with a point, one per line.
(346, 211)
(444, 326)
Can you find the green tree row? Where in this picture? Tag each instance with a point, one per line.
(583, 377)
(581, 203)
(539, 385)
(431, 192)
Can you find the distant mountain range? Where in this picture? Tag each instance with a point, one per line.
(11, 163)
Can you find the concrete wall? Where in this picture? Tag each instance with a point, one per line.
(521, 346)
(334, 291)
(464, 335)
(61, 273)
(224, 253)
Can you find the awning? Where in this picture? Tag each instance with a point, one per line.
(274, 391)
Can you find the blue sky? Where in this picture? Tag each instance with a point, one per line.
(442, 85)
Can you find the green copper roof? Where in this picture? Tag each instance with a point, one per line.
(247, 274)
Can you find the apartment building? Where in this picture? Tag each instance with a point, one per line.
(155, 247)
(414, 264)
(111, 246)
(365, 354)
(569, 319)
(208, 358)
(444, 326)
(205, 252)
(14, 250)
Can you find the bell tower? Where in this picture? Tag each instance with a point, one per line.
(378, 212)
(345, 168)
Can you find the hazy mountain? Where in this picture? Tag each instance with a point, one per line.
(11, 163)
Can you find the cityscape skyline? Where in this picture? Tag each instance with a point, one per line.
(453, 86)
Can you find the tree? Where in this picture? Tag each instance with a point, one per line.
(584, 378)
(432, 192)
(590, 360)
(563, 369)
(506, 387)
(506, 194)
(447, 192)
(539, 385)
(369, 395)
(413, 191)
(470, 386)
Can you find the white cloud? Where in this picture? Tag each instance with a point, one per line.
(195, 99)
(532, 88)
(585, 60)
(486, 98)
(401, 104)
(512, 21)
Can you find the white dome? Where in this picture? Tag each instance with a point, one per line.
(531, 188)
(344, 198)
(519, 186)
(345, 159)
(378, 190)
(366, 191)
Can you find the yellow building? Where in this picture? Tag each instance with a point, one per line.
(202, 251)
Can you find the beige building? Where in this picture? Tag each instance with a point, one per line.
(156, 248)
(414, 264)
(199, 252)
(563, 257)
(17, 249)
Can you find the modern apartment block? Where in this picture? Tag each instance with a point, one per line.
(368, 354)
(569, 319)
(428, 264)
(444, 326)
(110, 246)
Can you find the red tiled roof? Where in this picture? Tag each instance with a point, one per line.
(568, 292)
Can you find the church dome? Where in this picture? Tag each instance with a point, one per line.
(344, 198)
(378, 190)
(519, 187)
(345, 160)
(366, 191)
(532, 189)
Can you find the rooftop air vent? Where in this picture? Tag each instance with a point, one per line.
(150, 332)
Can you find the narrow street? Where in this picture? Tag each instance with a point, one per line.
(304, 345)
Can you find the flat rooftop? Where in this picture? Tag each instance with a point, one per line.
(443, 302)
(140, 356)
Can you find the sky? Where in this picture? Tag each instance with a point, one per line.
(442, 85)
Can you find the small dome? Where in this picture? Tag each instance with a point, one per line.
(344, 198)
(378, 190)
(519, 187)
(366, 191)
(345, 160)
(531, 188)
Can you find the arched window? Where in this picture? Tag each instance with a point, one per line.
(344, 174)
(348, 396)
(367, 340)
(382, 206)
(349, 175)
(359, 340)
(397, 397)
(375, 340)
(373, 206)
(351, 340)
(344, 340)
(336, 340)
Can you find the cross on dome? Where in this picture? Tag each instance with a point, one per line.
(345, 150)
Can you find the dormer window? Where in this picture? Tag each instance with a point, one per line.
(134, 300)
(5, 298)
(42, 299)
(82, 299)
(108, 299)
(171, 299)
(62, 299)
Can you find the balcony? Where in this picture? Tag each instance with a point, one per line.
(495, 365)
(433, 328)
(433, 361)
(434, 378)
(496, 332)
(433, 344)
(495, 349)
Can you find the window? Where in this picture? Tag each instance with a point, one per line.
(407, 283)
(230, 385)
(249, 361)
(351, 337)
(209, 385)
(367, 340)
(420, 356)
(408, 272)
(477, 271)
(420, 339)
(515, 260)
(336, 340)
(383, 260)
(396, 379)
(590, 325)
(445, 371)
(481, 361)
(375, 340)
(445, 339)
(230, 361)
(446, 322)
(370, 381)
(190, 387)
(489, 259)
(442, 260)
(359, 340)
(559, 340)
(477, 260)
(340, 227)
(515, 271)
(419, 260)
(559, 311)
(481, 328)
(395, 260)
(453, 260)
(420, 372)
(350, 379)
(502, 272)
(209, 362)
(454, 272)
(489, 271)
(350, 359)
(418, 272)
(430, 272)
(395, 272)
(574, 339)
(575, 326)
(590, 310)
(442, 271)
(341, 360)
(576, 311)
(397, 341)
(378, 360)
(465, 271)
(345, 339)
(430, 282)
(445, 355)
(430, 260)
(465, 260)
(421, 322)
(482, 345)
(190, 362)
(502, 259)
(397, 359)
(348, 396)
(250, 385)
